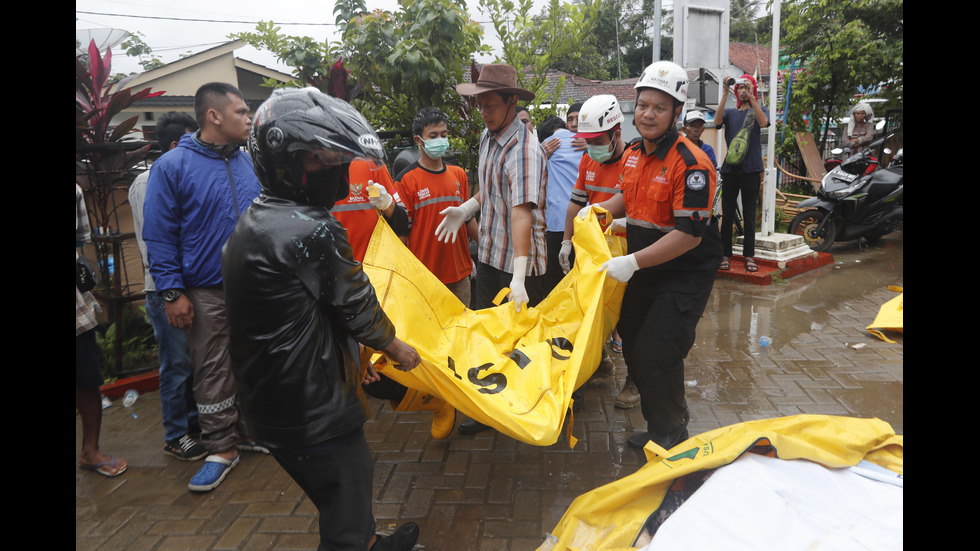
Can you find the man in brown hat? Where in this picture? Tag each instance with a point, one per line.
(513, 180)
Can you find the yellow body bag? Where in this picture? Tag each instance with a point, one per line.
(891, 316)
(514, 371)
(613, 516)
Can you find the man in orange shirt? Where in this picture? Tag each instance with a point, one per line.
(674, 251)
(599, 175)
(372, 191)
(428, 186)
(358, 212)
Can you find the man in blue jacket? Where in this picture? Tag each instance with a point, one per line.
(195, 194)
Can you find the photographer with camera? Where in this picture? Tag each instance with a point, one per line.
(742, 168)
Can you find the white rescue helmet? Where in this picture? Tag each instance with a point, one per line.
(599, 114)
(667, 77)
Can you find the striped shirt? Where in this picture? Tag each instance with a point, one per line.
(513, 171)
(86, 307)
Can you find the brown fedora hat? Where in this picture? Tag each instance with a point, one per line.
(495, 77)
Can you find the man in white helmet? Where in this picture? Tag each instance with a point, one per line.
(599, 127)
(674, 249)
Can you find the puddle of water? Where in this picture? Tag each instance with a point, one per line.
(739, 314)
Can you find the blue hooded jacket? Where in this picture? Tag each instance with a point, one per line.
(194, 198)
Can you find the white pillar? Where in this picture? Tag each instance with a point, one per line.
(769, 190)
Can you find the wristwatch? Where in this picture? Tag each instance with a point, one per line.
(171, 295)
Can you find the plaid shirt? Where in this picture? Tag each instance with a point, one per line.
(512, 171)
(86, 307)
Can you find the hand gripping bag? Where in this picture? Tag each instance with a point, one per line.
(514, 371)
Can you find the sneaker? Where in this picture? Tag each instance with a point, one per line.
(252, 446)
(629, 397)
(402, 540)
(185, 448)
(214, 470)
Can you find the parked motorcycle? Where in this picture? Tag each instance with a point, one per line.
(857, 199)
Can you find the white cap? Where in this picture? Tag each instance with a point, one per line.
(693, 116)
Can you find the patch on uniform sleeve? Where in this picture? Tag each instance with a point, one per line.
(696, 188)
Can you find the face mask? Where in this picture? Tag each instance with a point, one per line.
(436, 147)
(599, 153)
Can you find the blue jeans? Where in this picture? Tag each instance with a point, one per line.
(176, 371)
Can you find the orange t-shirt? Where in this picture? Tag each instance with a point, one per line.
(355, 212)
(424, 194)
(598, 181)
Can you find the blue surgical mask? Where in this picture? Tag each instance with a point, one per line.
(599, 153)
(436, 147)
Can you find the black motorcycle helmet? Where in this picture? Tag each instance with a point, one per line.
(293, 120)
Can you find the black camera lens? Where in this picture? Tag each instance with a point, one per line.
(731, 81)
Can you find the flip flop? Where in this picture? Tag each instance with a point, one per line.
(101, 468)
(617, 346)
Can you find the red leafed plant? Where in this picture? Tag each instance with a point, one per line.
(101, 157)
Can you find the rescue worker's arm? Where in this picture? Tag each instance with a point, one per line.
(520, 231)
(667, 248)
(615, 205)
(455, 217)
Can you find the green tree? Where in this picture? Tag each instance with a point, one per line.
(534, 43)
(745, 23)
(844, 46)
(136, 47)
(398, 61)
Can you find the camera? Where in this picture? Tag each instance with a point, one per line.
(730, 81)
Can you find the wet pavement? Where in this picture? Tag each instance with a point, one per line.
(490, 492)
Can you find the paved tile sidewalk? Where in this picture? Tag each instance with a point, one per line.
(484, 491)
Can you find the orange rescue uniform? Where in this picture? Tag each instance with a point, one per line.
(355, 211)
(671, 188)
(596, 181)
(425, 194)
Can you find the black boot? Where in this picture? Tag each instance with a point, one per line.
(402, 540)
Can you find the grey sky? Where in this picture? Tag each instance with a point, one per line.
(170, 38)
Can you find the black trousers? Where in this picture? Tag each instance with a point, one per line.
(489, 282)
(338, 478)
(731, 186)
(554, 274)
(657, 324)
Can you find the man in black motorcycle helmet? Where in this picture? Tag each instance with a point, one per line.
(299, 304)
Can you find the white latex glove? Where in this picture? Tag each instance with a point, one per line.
(518, 293)
(378, 196)
(454, 219)
(618, 225)
(564, 254)
(584, 213)
(620, 268)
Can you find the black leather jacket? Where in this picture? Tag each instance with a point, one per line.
(298, 304)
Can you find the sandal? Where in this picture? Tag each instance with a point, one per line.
(725, 264)
(750, 265)
(105, 468)
(617, 346)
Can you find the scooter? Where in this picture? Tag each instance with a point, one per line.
(856, 200)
